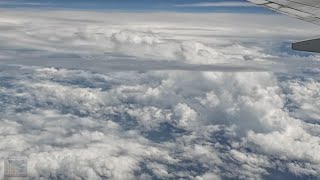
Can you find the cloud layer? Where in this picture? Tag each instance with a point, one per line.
(89, 96)
(218, 4)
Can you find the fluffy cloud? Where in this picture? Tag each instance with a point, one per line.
(86, 96)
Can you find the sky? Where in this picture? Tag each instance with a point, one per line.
(139, 5)
(157, 90)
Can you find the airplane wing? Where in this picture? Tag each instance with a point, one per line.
(306, 10)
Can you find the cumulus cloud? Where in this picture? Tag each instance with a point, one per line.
(86, 96)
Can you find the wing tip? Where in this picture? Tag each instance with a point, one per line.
(312, 45)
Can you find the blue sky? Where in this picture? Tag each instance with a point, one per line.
(140, 5)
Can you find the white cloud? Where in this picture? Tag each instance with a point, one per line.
(218, 4)
(84, 101)
(208, 176)
(305, 100)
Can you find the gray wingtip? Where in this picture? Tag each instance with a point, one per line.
(312, 45)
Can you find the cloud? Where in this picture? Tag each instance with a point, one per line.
(217, 4)
(84, 95)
